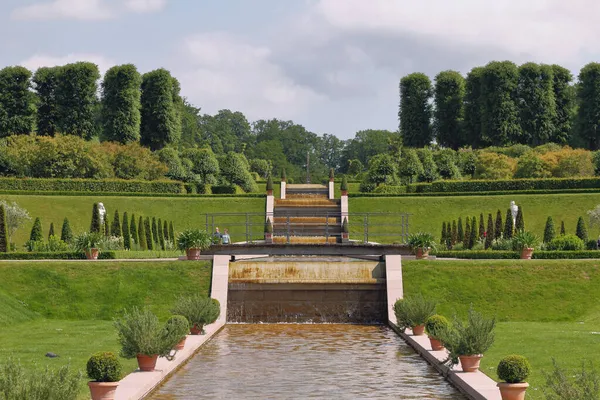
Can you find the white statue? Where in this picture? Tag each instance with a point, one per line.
(514, 209)
(102, 212)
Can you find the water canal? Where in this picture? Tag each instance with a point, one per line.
(298, 361)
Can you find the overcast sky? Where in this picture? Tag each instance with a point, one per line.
(330, 65)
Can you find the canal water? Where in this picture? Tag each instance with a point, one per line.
(301, 361)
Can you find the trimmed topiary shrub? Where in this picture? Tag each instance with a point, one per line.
(143, 241)
(549, 232)
(115, 228)
(513, 369)
(66, 234)
(566, 242)
(96, 224)
(198, 310)
(581, 231)
(51, 230)
(269, 183)
(436, 325)
(178, 327)
(3, 230)
(148, 232)
(104, 367)
(413, 310)
(36, 231)
(126, 232)
(344, 185)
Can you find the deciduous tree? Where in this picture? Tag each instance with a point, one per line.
(537, 105)
(415, 110)
(121, 94)
(588, 101)
(448, 115)
(45, 81)
(17, 111)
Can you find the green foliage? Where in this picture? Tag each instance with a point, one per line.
(443, 237)
(475, 336)
(513, 369)
(344, 185)
(490, 233)
(166, 232)
(155, 231)
(413, 310)
(448, 115)
(503, 185)
(499, 227)
(199, 310)
(473, 235)
(268, 226)
(382, 169)
(436, 325)
(415, 110)
(410, 166)
(148, 234)
(83, 185)
(467, 238)
(429, 172)
(493, 166)
(454, 234)
(16, 101)
(508, 226)
(459, 230)
(36, 231)
(3, 231)
(481, 232)
(421, 240)
(531, 165)
(96, 224)
(104, 367)
(566, 242)
(549, 232)
(562, 384)
(588, 96)
(161, 238)
(57, 255)
(524, 240)
(581, 231)
(234, 169)
(194, 239)
(143, 240)
(177, 326)
(519, 221)
(115, 228)
(54, 244)
(126, 232)
(473, 107)
(86, 241)
(51, 230)
(537, 105)
(345, 225)
(46, 81)
(171, 231)
(284, 176)
(269, 183)
(133, 230)
(121, 104)
(204, 164)
(331, 174)
(562, 228)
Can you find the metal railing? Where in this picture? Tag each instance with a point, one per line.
(364, 227)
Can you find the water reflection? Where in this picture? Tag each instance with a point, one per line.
(279, 361)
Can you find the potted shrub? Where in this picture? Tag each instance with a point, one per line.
(413, 311)
(344, 186)
(513, 370)
(283, 175)
(345, 233)
(179, 326)
(88, 243)
(467, 342)
(268, 231)
(104, 369)
(435, 326)
(198, 310)
(269, 186)
(525, 242)
(142, 336)
(193, 242)
(421, 243)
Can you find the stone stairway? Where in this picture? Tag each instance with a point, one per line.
(306, 215)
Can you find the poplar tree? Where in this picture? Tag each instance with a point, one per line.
(415, 110)
(473, 107)
(121, 103)
(448, 116)
(549, 232)
(125, 230)
(96, 225)
(489, 235)
(588, 101)
(519, 221)
(499, 226)
(537, 106)
(564, 98)
(66, 234)
(508, 226)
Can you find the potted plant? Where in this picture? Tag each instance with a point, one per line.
(269, 186)
(179, 326)
(513, 370)
(268, 231)
(468, 341)
(435, 326)
(88, 243)
(421, 243)
(413, 311)
(345, 233)
(142, 336)
(194, 241)
(525, 242)
(104, 369)
(198, 310)
(344, 186)
(331, 175)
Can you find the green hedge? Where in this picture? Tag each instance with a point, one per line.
(504, 185)
(91, 185)
(117, 194)
(104, 255)
(498, 193)
(502, 255)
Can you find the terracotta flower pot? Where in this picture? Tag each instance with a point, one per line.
(513, 391)
(197, 329)
(436, 345)
(470, 363)
(180, 345)
(526, 253)
(422, 253)
(147, 363)
(92, 254)
(418, 330)
(193, 254)
(103, 390)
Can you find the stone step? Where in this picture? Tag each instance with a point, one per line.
(305, 240)
(284, 212)
(306, 231)
(306, 202)
(308, 220)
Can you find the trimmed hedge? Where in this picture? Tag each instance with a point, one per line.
(504, 185)
(117, 194)
(503, 255)
(91, 185)
(104, 255)
(498, 193)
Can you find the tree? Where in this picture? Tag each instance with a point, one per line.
(4, 247)
(444, 238)
(106, 226)
(148, 231)
(382, 169)
(429, 171)
(171, 231)
(204, 164)
(564, 98)
(454, 234)
(15, 217)
(415, 110)
(473, 237)
(161, 237)
(262, 167)
(481, 233)
(537, 106)
(133, 230)
(51, 230)
(500, 118)
(121, 94)
(160, 118)
(76, 99)
(467, 237)
(166, 231)
(115, 228)
(519, 222)
(473, 107)
(549, 232)
(445, 161)
(410, 166)
(96, 225)
(459, 230)
(234, 169)
(66, 234)
(499, 226)
(355, 167)
(143, 240)
(508, 225)
(489, 235)
(45, 82)
(581, 231)
(449, 94)
(588, 101)
(125, 230)
(191, 132)
(36, 231)
(154, 231)
(562, 228)
(17, 111)
(366, 145)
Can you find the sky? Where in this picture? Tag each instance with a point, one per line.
(330, 65)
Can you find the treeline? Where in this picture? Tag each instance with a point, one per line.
(501, 104)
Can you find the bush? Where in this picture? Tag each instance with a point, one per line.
(104, 367)
(194, 239)
(524, 239)
(475, 336)
(413, 310)
(436, 325)
(68, 255)
(177, 326)
(504, 185)
(581, 230)
(494, 166)
(91, 185)
(390, 189)
(513, 369)
(421, 240)
(198, 310)
(507, 255)
(566, 242)
(87, 240)
(591, 245)
(561, 384)
(226, 189)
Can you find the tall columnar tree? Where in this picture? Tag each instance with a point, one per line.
(96, 225)
(454, 237)
(459, 231)
(171, 231)
(588, 101)
(509, 227)
(448, 115)
(17, 111)
(66, 234)
(473, 237)
(149, 237)
(106, 226)
(581, 230)
(160, 117)
(498, 229)
(3, 230)
(481, 233)
(115, 228)
(36, 231)
(133, 230)
(549, 232)
(443, 237)
(161, 237)
(519, 221)
(45, 81)
(473, 107)
(415, 110)
(467, 237)
(166, 231)
(564, 98)
(121, 103)
(537, 106)
(125, 230)
(77, 100)
(143, 240)
(562, 228)
(51, 230)
(448, 235)
(500, 118)
(154, 230)
(489, 234)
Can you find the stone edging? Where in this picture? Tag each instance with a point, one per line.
(474, 385)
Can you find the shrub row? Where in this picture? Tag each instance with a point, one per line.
(117, 194)
(70, 255)
(91, 185)
(501, 255)
(504, 185)
(493, 193)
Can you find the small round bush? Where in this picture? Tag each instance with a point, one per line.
(513, 369)
(436, 325)
(104, 367)
(566, 242)
(177, 327)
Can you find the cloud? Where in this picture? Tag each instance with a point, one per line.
(145, 6)
(43, 60)
(85, 10)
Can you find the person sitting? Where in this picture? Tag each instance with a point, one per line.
(225, 237)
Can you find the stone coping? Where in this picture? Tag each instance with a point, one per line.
(138, 385)
(474, 385)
